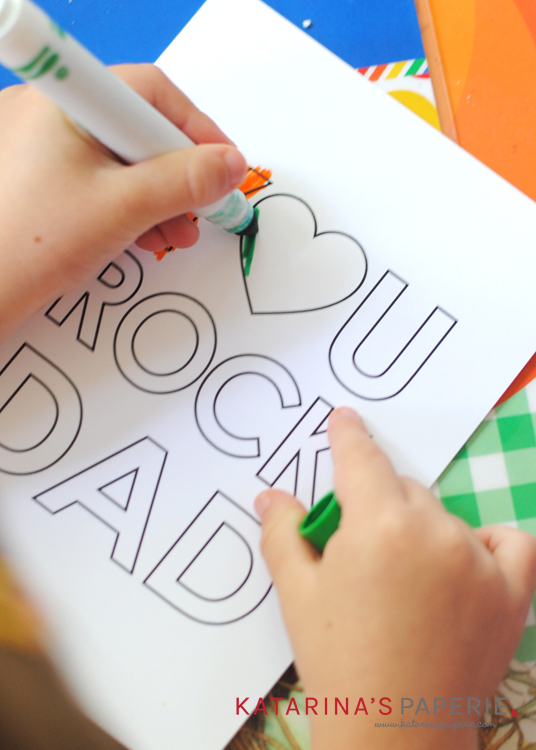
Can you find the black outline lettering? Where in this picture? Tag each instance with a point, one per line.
(250, 447)
(140, 376)
(80, 489)
(83, 301)
(372, 378)
(208, 605)
(31, 459)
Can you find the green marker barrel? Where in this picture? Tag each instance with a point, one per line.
(322, 521)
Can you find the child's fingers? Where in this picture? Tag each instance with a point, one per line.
(155, 86)
(288, 556)
(153, 240)
(515, 554)
(144, 195)
(179, 231)
(363, 475)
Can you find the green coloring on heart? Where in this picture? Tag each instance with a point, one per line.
(248, 249)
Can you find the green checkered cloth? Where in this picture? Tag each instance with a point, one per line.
(493, 479)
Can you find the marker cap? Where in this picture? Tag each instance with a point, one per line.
(9, 11)
(322, 521)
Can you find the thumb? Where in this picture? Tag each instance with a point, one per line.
(514, 552)
(290, 559)
(166, 186)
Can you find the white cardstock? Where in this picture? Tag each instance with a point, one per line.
(141, 415)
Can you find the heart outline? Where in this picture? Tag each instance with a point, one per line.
(316, 233)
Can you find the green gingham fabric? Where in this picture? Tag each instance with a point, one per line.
(493, 479)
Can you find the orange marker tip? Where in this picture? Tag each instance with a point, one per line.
(159, 254)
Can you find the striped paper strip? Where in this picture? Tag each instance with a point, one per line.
(417, 67)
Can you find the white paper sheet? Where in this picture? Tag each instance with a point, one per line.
(139, 417)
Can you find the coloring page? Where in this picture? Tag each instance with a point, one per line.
(141, 414)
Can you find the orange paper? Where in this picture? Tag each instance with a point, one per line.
(482, 59)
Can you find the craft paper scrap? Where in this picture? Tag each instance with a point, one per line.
(407, 81)
(141, 415)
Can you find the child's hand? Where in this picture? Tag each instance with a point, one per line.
(406, 601)
(68, 207)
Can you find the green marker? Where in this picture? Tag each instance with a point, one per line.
(322, 521)
(248, 247)
(40, 52)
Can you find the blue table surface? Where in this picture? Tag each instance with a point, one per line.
(362, 32)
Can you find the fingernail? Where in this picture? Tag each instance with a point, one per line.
(262, 503)
(236, 166)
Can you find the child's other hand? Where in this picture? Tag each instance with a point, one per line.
(68, 208)
(406, 601)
